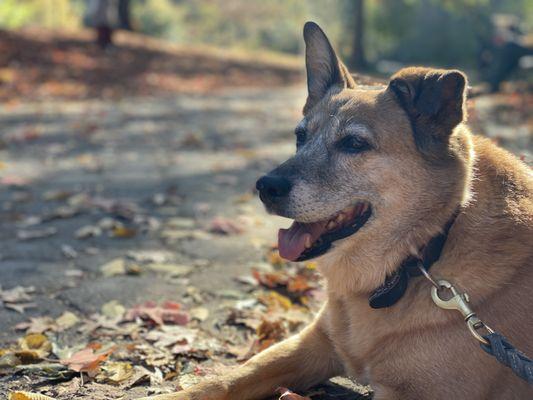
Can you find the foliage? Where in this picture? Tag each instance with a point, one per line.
(49, 13)
(439, 32)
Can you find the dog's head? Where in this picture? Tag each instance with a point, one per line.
(367, 157)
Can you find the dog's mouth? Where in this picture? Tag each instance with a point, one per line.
(303, 241)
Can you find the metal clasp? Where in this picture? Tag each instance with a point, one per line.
(459, 302)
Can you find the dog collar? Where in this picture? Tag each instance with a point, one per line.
(395, 285)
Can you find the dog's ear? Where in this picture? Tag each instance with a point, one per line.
(324, 69)
(434, 100)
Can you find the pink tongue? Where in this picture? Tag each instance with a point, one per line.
(291, 242)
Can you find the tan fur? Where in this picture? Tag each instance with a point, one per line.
(412, 350)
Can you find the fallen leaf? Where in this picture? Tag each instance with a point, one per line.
(68, 251)
(115, 372)
(113, 309)
(37, 325)
(150, 256)
(36, 342)
(114, 267)
(274, 300)
(199, 313)
(36, 233)
(275, 259)
(119, 266)
(270, 279)
(19, 307)
(169, 312)
(180, 223)
(88, 231)
(86, 360)
(28, 396)
(66, 320)
(9, 360)
(286, 394)
(27, 356)
(170, 335)
(170, 269)
(225, 226)
(271, 329)
(123, 232)
(299, 284)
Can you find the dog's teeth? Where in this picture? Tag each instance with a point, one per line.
(308, 243)
(341, 217)
(331, 224)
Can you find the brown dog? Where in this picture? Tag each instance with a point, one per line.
(382, 178)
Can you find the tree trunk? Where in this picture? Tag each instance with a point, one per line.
(358, 60)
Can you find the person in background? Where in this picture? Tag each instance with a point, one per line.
(105, 16)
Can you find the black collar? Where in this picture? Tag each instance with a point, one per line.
(395, 285)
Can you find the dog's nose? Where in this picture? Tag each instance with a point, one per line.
(272, 188)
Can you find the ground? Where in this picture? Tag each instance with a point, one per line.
(131, 236)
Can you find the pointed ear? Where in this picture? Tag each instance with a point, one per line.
(434, 100)
(324, 69)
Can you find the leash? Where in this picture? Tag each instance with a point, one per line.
(492, 342)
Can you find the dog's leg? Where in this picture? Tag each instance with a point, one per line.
(297, 363)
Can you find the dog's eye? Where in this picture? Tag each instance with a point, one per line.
(352, 144)
(301, 136)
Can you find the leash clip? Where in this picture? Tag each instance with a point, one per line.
(459, 302)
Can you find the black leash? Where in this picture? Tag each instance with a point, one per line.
(499, 347)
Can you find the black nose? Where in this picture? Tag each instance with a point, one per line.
(272, 188)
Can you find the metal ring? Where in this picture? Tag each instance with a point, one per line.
(427, 275)
(474, 331)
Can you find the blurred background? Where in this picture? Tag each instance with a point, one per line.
(131, 137)
(491, 39)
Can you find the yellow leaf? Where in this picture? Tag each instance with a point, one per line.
(36, 342)
(275, 300)
(311, 265)
(28, 396)
(275, 259)
(123, 232)
(116, 372)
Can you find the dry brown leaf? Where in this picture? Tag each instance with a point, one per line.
(169, 312)
(37, 325)
(86, 360)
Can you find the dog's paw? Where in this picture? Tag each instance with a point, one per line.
(170, 396)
